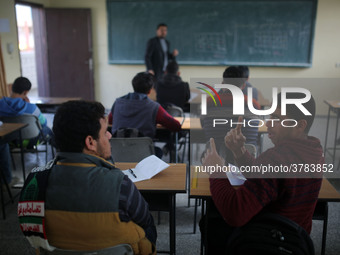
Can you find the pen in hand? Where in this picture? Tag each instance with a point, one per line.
(133, 174)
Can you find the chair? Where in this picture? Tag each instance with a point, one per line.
(176, 111)
(173, 110)
(131, 149)
(127, 132)
(32, 130)
(251, 149)
(268, 234)
(121, 249)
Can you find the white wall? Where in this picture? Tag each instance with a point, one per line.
(112, 81)
(12, 64)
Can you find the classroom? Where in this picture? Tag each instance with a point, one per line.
(114, 60)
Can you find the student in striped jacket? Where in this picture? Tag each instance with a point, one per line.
(80, 200)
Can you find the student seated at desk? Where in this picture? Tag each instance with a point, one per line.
(18, 104)
(290, 195)
(245, 71)
(234, 76)
(171, 89)
(136, 110)
(89, 203)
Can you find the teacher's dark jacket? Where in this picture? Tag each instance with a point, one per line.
(154, 56)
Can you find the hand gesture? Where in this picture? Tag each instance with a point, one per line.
(234, 140)
(211, 157)
(151, 72)
(175, 52)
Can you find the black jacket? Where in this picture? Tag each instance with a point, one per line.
(154, 56)
(172, 90)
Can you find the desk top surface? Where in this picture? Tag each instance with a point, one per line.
(171, 179)
(333, 103)
(195, 124)
(52, 100)
(8, 128)
(199, 187)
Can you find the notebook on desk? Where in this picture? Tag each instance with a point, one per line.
(146, 169)
(235, 176)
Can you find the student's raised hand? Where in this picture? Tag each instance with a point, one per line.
(211, 157)
(151, 72)
(234, 140)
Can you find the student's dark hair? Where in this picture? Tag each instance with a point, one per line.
(245, 71)
(142, 82)
(74, 121)
(21, 84)
(294, 112)
(162, 25)
(172, 67)
(233, 75)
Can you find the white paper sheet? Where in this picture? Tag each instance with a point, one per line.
(146, 169)
(235, 177)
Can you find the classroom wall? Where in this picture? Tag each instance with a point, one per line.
(112, 81)
(12, 64)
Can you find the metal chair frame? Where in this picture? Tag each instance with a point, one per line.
(32, 130)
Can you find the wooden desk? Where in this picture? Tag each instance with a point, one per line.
(7, 130)
(10, 132)
(50, 104)
(200, 188)
(333, 106)
(160, 192)
(171, 179)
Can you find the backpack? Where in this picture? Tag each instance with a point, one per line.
(269, 234)
(127, 132)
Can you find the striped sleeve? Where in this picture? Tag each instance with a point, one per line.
(132, 206)
(33, 109)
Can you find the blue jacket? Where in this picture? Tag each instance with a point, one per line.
(135, 110)
(16, 106)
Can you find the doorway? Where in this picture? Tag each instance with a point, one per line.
(27, 45)
(69, 40)
(56, 50)
(32, 46)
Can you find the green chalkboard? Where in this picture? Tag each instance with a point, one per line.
(249, 32)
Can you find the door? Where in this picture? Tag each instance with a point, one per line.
(69, 43)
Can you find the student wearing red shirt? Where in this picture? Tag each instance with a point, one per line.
(292, 197)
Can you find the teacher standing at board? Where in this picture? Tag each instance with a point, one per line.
(157, 53)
